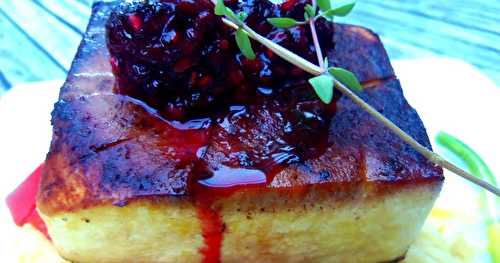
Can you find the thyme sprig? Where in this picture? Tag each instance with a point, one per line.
(324, 83)
(326, 79)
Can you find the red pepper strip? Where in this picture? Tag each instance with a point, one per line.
(22, 202)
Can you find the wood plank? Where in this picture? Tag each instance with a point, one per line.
(471, 22)
(434, 35)
(21, 59)
(58, 39)
(428, 33)
(399, 50)
(493, 74)
(467, 12)
(482, 7)
(471, 19)
(4, 83)
(70, 12)
(86, 2)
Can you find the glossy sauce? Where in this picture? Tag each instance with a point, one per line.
(212, 225)
(212, 228)
(172, 54)
(206, 192)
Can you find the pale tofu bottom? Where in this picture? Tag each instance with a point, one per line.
(362, 229)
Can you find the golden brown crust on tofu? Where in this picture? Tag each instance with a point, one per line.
(110, 148)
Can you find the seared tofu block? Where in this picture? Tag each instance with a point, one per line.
(124, 184)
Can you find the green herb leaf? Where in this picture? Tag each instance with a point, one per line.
(323, 86)
(344, 9)
(324, 5)
(341, 10)
(242, 16)
(346, 77)
(244, 44)
(306, 16)
(310, 11)
(229, 13)
(282, 22)
(220, 8)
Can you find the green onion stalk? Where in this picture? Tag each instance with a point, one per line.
(488, 202)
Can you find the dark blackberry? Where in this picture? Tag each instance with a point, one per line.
(178, 57)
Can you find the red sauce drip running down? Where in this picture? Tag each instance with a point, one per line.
(223, 183)
(212, 228)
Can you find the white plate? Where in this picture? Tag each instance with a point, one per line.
(452, 96)
(449, 95)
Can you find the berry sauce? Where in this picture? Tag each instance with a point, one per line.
(212, 228)
(178, 56)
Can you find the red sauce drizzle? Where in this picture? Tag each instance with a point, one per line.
(223, 183)
(22, 203)
(212, 229)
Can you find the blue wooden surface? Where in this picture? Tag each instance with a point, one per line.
(38, 38)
